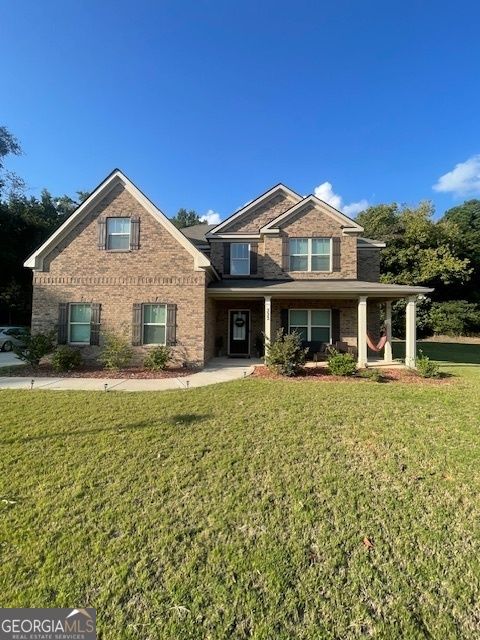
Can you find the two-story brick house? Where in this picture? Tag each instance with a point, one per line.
(118, 264)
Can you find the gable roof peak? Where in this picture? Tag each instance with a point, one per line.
(255, 202)
(35, 261)
(348, 225)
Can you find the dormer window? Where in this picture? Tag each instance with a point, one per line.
(118, 234)
(240, 259)
(311, 254)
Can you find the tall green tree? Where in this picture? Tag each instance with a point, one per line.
(419, 250)
(462, 224)
(9, 145)
(186, 218)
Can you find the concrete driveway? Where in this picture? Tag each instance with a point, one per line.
(8, 359)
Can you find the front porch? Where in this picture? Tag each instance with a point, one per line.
(337, 313)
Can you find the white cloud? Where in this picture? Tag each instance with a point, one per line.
(355, 207)
(463, 179)
(326, 193)
(211, 217)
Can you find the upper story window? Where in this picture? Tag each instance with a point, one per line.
(240, 259)
(310, 254)
(79, 323)
(118, 234)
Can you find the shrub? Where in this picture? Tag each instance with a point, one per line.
(157, 358)
(455, 318)
(341, 364)
(375, 375)
(35, 347)
(65, 358)
(426, 368)
(116, 351)
(284, 354)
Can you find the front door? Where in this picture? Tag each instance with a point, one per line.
(239, 332)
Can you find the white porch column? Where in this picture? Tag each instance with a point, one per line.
(362, 331)
(387, 352)
(411, 332)
(268, 321)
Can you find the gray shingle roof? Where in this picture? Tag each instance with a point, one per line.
(335, 288)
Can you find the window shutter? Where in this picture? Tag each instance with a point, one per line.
(284, 320)
(137, 324)
(335, 325)
(95, 323)
(336, 254)
(286, 254)
(102, 234)
(226, 258)
(134, 233)
(253, 258)
(171, 324)
(62, 336)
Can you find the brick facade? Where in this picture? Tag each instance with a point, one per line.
(369, 265)
(309, 222)
(261, 215)
(162, 270)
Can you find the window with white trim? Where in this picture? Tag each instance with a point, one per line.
(154, 323)
(118, 234)
(313, 325)
(79, 323)
(311, 254)
(240, 259)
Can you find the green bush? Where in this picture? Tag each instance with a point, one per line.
(35, 347)
(341, 364)
(284, 354)
(116, 351)
(65, 358)
(426, 368)
(375, 375)
(455, 318)
(157, 358)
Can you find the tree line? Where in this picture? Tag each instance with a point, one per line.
(443, 253)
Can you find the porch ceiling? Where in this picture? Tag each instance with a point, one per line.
(257, 288)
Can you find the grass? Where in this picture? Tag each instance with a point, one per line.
(457, 353)
(255, 509)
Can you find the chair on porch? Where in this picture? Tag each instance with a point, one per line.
(317, 351)
(344, 347)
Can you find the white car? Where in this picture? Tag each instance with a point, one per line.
(10, 336)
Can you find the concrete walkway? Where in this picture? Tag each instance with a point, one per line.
(217, 370)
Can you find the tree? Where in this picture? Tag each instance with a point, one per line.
(186, 218)
(462, 224)
(9, 145)
(419, 250)
(25, 223)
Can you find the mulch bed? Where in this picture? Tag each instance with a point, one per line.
(321, 374)
(136, 373)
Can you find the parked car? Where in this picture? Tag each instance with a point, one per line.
(10, 336)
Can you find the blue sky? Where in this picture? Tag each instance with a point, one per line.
(207, 104)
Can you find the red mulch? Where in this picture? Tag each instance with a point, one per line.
(45, 370)
(321, 374)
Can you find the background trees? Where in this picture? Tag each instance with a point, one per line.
(443, 253)
(186, 218)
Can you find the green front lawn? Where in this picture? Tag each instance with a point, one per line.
(255, 509)
(451, 352)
